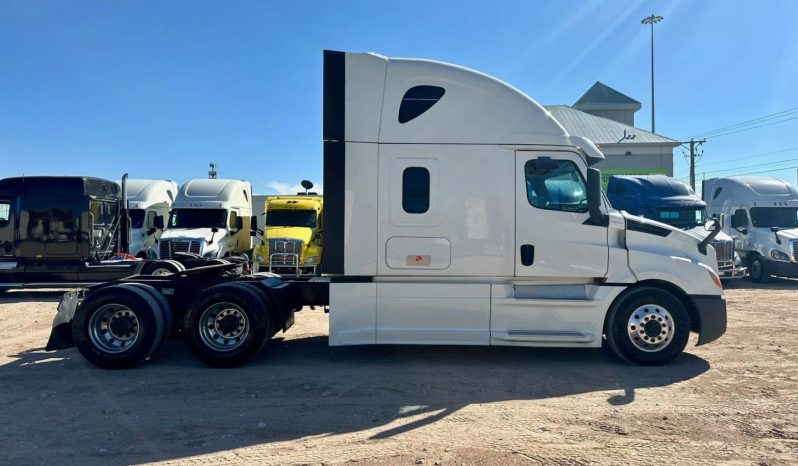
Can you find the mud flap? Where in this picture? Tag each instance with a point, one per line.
(61, 334)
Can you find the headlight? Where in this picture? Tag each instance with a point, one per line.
(777, 255)
(312, 260)
(737, 261)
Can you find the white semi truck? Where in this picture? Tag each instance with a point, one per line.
(149, 202)
(458, 212)
(761, 214)
(210, 218)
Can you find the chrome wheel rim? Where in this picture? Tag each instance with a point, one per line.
(114, 328)
(224, 326)
(650, 328)
(161, 271)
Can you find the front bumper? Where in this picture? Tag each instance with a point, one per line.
(711, 314)
(783, 268)
(733, 272)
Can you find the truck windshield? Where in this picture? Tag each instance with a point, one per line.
(136, 218)
(782, 217)
(681, 218)
(198, 218)
(291, 218)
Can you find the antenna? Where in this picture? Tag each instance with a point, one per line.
(212, 171)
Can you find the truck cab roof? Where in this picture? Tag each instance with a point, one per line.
(213, 193)
(73, 185)
(762, 189)
(658, 190)
(373, 98)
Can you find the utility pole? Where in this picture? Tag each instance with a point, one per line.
(693, 146)
(212, 171)
(652, 20)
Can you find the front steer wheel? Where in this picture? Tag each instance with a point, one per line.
(228, 324)
(648, 326)
(118, 327)
(759, 269)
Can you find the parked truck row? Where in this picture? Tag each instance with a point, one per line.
(457, 211)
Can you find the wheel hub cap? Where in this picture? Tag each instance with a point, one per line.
(224, 326)
(650, 328)
(114, 328)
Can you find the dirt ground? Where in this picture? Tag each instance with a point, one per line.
(733, 402)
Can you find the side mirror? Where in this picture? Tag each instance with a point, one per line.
(775, 231)
(713, 226)
(594, 196)
(158, 222)
(239, 223)
(253, 226)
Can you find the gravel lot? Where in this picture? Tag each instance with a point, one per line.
(733, 402)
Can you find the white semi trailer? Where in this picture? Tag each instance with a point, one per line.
(458, 211)
(149, 202)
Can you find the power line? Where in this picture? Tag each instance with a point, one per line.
(749, 122)
(765, 171)
(752, 156)
(724, 170)
(750, 128)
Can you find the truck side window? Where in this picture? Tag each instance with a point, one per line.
(555, 185)
(232, 222)
(5, 212)
(739, 219)
(415, 190)
(418, 100)
(717, 193)
(151, 219)
(62, 225)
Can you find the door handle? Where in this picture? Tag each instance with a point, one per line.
(527, 254)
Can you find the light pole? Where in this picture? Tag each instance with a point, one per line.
(652, 20)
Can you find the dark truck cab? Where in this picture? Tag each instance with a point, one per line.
(670, 201)
(61, 231)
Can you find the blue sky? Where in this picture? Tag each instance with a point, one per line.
(159, 89)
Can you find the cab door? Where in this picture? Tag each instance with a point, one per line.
(553, 232)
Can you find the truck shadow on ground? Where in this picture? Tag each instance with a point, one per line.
(58, 408)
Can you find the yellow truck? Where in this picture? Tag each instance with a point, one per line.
(292, 235)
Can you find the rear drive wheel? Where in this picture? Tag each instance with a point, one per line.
(117, 327)
(161, 305)
(759, 269)
(227, 324)
(648, 326)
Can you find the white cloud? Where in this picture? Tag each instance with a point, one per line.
(279, 187)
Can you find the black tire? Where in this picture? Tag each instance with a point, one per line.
(163, 307)
(134, 310)
(163, 267)
(759, 269)
(248, 321)
(660, 314)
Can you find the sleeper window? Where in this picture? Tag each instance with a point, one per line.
(418, 100)
(415, 190)
(555, 185)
